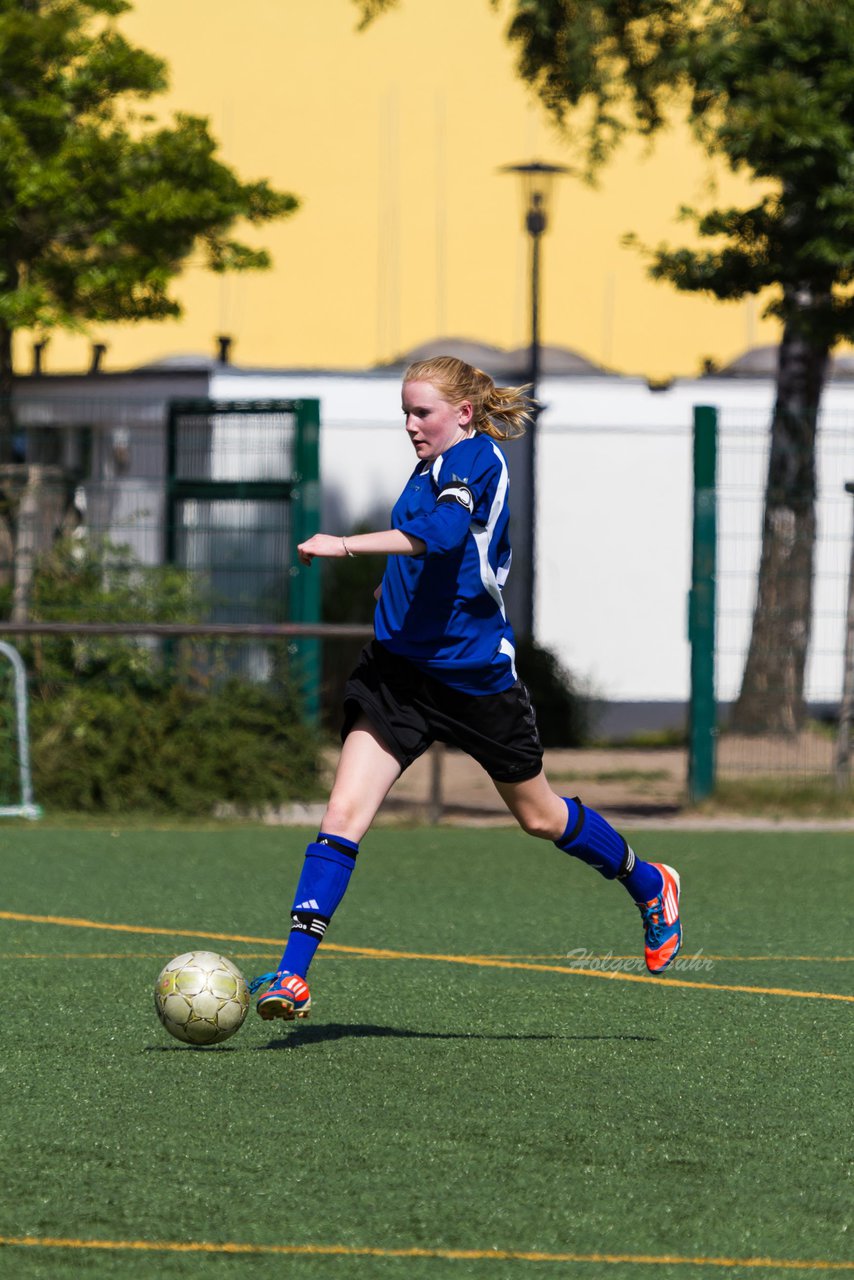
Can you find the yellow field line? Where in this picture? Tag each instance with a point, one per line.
(509, 955)
(367, 1251)
(490, 962)
(74, 922)
(703, 955)
(118, 955)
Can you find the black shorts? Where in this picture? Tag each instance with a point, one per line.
(410, 710)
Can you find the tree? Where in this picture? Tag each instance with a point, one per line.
(101, 206)
(768, 85)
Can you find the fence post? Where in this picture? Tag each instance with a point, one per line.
(26, 809)
(306, 584)
(702, 721)
(435, 800)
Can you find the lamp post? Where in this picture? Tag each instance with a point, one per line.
(537, 180)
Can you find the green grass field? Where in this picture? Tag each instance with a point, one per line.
(476, 1100)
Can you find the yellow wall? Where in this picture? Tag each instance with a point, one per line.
(392, 139)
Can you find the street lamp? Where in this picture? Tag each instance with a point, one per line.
(537, 180)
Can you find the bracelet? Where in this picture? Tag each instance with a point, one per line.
(350, 553)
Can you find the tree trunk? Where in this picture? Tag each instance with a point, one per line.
(772, 691)
(7, 416)
(27, 542)
(846, 709)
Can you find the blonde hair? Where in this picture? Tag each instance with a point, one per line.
(500, 412)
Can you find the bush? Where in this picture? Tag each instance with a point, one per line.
(179, 750)
(348, 596)
(10, 784)
(564, 713)
(125, 723)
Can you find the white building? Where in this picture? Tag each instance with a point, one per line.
(615, 494)
(614, 483)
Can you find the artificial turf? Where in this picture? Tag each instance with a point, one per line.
(433, 1108)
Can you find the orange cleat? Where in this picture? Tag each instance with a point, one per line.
(661, 923)
(287, 997)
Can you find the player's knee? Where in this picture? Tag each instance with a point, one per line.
(343, 815)
(536, 822)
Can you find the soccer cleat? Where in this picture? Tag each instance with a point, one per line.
(287, 997)
(662, 927)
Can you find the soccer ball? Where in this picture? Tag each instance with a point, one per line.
(201, 998)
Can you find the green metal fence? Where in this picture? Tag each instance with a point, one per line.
(168, 519)
(173, 518)
(760, 749)
(702, 718)
(242, 491)
(223, 491)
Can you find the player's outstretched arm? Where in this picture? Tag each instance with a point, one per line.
(385, 542)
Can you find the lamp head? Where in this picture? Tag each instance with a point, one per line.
(537, 179)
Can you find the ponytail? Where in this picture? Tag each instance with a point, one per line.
(500, 412)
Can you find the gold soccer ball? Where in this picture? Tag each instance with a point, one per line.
(201, 998)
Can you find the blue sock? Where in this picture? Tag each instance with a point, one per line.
(589, 837)
(329, 862)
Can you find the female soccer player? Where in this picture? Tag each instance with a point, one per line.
(441, 667)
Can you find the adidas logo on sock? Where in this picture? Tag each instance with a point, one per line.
(310, 905)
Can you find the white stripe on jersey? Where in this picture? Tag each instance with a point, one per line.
(504, 570)
(482, 535)
(506, 647)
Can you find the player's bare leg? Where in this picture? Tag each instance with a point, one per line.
(366, 772)
(583, 833)
(536, 807)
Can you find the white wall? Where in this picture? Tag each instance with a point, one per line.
(614, 482)
(613, 537)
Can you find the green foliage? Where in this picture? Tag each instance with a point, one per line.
(122, 723)
(349, 585)
(348, 597)
(103, 207)
(780, 798)
(617, 58)
(563, 710)
(371, 9)
(649, 740)
(10, 787)
(181, 750)
(94, 580)
(768, 86)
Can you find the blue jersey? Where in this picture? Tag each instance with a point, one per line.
(443, 610)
